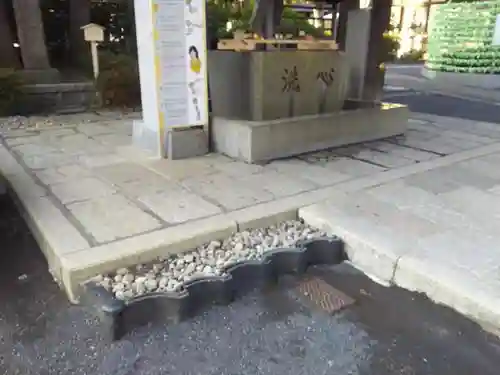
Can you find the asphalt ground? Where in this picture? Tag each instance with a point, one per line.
(388, 331)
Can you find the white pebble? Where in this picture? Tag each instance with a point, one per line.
(173, 285)
(106, 283)
(190, 268)
(157, 268)
(214, 245)
(122, 271)
(207, 270)
(128, 278)
(128, 293)
(119, 294)
(163, 282)
(118, 287)
(151, 284)
(139, 289)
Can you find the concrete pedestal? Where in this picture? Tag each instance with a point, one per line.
(257, 141)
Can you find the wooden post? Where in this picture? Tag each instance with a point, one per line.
(95, 59)
(375, 74)
(341, 31)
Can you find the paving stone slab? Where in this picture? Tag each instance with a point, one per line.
(81, 189)
(33, 149)
(52, 160)
(314, 173)
(94, 129)
(178, 170)
(125, 172)
(178, 205)
(62, 174)
(112, 217)
(354, 168)
(100, 160)
(114, 139)
(403, 152)
(227, 191)
(279, 185)
(150, 185)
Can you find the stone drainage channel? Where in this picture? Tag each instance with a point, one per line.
(178, 287)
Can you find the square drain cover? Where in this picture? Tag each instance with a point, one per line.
(322, 295)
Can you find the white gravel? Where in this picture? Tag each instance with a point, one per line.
(43, 122)
(208, 260)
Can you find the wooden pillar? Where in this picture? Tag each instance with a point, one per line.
(8, 54)
(374, 75)
(31, 34)
(341, 32)
(132, 38)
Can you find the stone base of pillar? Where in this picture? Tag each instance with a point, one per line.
(38, 76)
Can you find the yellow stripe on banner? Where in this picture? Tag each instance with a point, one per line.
(161, 122)
(157, 68)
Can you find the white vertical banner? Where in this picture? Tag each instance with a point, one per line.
(182, 60)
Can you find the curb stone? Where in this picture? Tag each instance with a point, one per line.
(384, 256)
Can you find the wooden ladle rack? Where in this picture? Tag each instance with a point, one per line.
(247, 42)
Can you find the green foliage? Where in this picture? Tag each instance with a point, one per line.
(11, 93)
(390, 46)
(118, 81)
(117, 18)
(411, 56)
(460, 38)
(220, 13)
(294, 22)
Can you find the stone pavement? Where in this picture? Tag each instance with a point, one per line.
(434, 231)
(95, 203)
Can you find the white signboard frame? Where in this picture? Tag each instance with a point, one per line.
(496, 33)
(171, 42)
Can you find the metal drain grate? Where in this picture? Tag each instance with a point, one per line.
(322, 295)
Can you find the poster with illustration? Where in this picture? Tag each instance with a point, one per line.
(196, 62)
(181, 51)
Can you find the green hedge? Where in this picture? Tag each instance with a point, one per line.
(460, 37)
